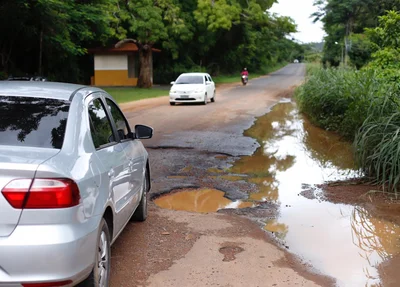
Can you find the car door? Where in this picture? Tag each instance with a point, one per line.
(212, 85)
(134, 153)
(208, 87)
(114, 176)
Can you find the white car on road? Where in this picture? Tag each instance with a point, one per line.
(192, 87)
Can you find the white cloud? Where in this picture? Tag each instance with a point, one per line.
(300, 11)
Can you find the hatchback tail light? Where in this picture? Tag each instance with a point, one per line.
(41, 193)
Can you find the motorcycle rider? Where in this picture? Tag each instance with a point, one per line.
(245, 73)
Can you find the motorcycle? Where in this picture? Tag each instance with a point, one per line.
(245, 79)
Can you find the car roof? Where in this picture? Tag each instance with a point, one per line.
(52, 90)
(194, 74)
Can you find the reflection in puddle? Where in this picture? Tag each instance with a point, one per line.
(202, 200)
(279, 229)
(342, 241)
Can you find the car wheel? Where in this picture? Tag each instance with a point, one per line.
(205, 99)
(100, 276)
(141, 211)
(213, 98)
(172, 103)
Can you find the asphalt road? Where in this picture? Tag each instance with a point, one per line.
(177, 248)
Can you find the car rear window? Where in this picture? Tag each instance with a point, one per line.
(33, 122)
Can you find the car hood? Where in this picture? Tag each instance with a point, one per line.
(187, 87)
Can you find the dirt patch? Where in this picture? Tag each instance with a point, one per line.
(356, 193)
(229, 250)
(232, 251)
(149, 247)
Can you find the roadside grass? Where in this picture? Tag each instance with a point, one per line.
(233, 78)
(130, 94)
(362, 107)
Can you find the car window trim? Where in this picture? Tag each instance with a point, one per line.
(105, 97)
(94, 96)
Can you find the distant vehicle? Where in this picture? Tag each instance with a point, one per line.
(245, 79)
(192, 87)
(27, 78)
(296, 61)
(72, 174)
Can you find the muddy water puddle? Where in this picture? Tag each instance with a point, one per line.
(201, 200)
(342, 241)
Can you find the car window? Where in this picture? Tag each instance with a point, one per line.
(33, 122)
(210, 79)
(205, 78)
(119, 119)
(100, 126)
(189, 80)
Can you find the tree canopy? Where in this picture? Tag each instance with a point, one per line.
(52, 37)
(346, 23)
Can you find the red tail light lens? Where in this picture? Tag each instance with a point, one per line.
(42, 193)
(53, 284)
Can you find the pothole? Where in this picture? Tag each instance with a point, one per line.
(199, 200)
(230, 251)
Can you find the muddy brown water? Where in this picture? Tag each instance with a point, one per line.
(342, 241)
(202, 200)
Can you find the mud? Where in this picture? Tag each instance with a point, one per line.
(229, 251)
(202, 200)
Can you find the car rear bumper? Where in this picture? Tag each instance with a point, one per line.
(48, 253)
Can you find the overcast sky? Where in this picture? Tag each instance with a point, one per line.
(300, 11)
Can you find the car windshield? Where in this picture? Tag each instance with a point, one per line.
(33, 122)
(189, 80)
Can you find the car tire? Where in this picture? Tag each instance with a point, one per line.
(205, 100)
(213, 98)
(141, 211)
(172, 103)
(102, 260)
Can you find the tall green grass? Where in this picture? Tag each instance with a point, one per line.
(378, 150)
(362, 107)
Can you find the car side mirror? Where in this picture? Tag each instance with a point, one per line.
(172, 83)
(208, 83)
(143, 132)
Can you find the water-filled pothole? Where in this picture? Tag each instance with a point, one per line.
(343, 241)
(201, 200)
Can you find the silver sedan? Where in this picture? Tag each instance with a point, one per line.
(72, 175)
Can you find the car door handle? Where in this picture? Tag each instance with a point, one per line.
(111, 173)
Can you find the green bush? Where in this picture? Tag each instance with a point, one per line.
(339, 99)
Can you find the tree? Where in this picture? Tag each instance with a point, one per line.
(37, 36)
(386, 57)
(149, 22)
(343, 19)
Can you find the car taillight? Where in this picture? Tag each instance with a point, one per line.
(42, 193)
(52, 284)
